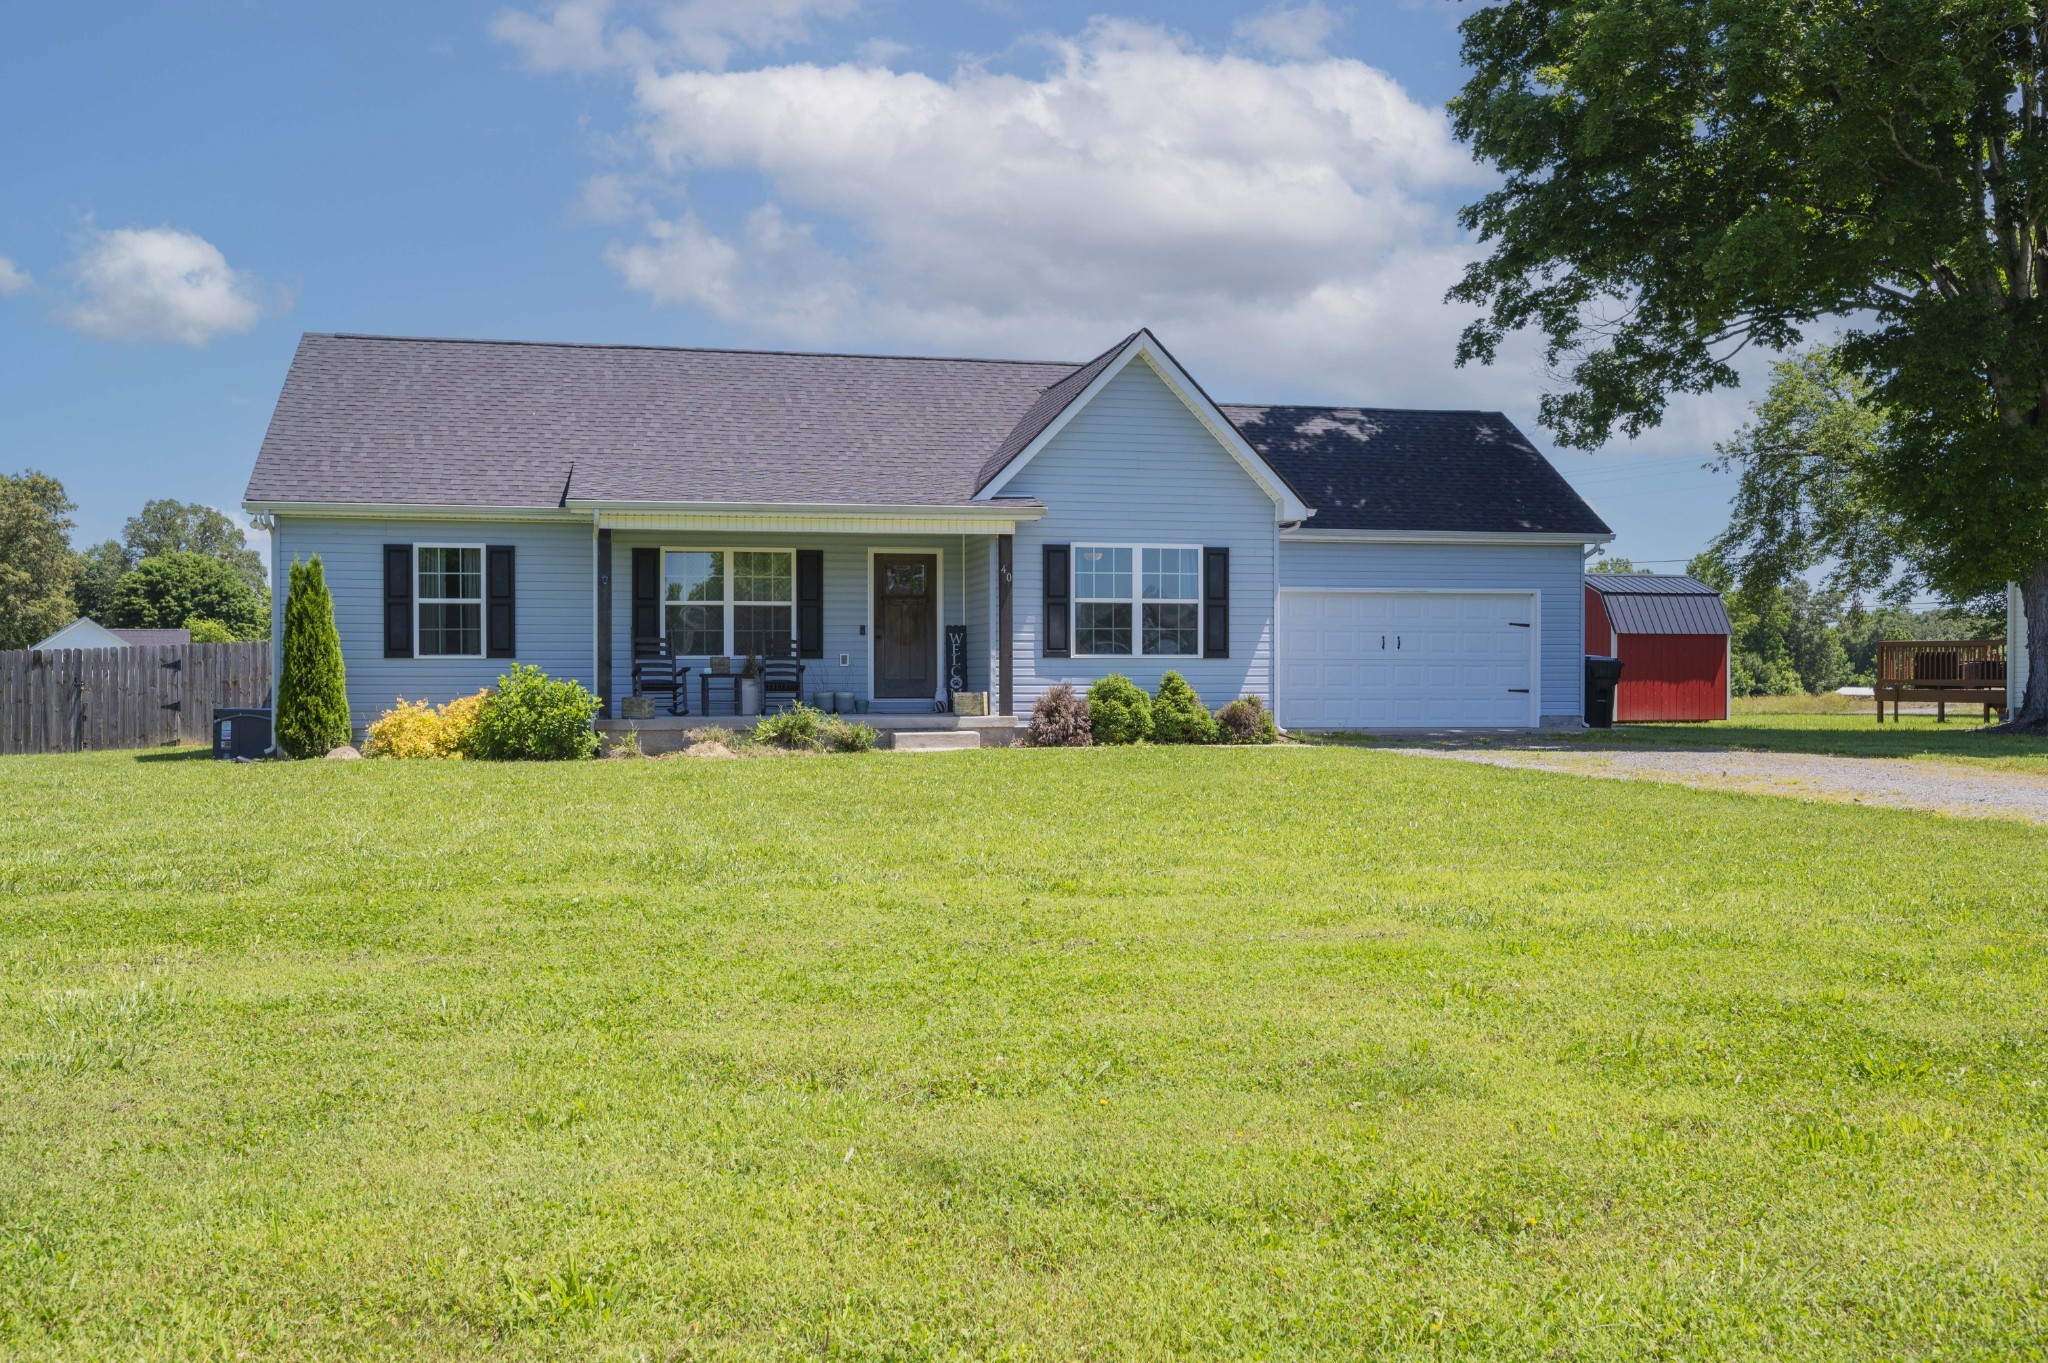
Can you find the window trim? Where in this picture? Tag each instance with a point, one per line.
(662, 602)
(420, 601)
(1136, 599)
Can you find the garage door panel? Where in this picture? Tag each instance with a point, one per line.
(1406, 659)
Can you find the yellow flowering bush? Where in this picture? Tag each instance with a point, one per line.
(413, 728)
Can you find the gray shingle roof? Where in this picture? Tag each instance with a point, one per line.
(152, 638)
(1379, 468)
(1659, 603)
(494, 423)
(398, 421)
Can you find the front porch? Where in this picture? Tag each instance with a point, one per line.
(667, 733)
(891, 615)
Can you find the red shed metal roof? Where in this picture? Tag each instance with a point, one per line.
(1659, 603)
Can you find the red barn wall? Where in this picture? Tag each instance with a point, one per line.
(1599, 634)
(1673, 676)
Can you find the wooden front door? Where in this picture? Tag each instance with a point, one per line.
(906, 626)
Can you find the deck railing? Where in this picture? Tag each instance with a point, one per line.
(1941, 670)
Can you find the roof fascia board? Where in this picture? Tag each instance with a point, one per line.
(1014, 510)
(1176, 379)
(1314, 535)
(414, 511)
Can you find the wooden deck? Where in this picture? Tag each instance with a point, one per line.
(1965, 671)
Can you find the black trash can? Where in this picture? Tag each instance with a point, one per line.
(1603, 675)
(241, 731)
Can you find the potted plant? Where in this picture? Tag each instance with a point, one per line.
(750, 686)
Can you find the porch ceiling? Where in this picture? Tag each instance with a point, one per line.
(993, 518)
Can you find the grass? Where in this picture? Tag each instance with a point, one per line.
(1283, 1053)
(1797, 724)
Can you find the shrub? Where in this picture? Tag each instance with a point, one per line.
(847, 736)
(413, 728)
(1247, 720)
(1178, 715)
(796, 727)
(205, 631)
(533, 717)
(1059, 720)
(1119, 711)
(312, 690)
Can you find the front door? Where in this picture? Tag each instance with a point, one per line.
(906, 626)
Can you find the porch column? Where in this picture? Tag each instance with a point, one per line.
(1005, 546)
(604, 623)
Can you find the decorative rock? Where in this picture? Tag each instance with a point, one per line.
(343, 753)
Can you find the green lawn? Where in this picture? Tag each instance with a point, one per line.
(1288, 1053)
(1962, 740)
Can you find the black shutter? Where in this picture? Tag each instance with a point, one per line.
(1059, 612)
(499, 640)
(646, 600)
(398, 600)
(810, 603)
(1215, 602)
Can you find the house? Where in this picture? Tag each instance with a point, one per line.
(1671, 634)
(85, 633)
(481, 502)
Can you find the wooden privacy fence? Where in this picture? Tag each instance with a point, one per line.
(72, 699)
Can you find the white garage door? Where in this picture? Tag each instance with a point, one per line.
(1404, 660)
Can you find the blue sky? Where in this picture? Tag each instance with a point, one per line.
(188, 186)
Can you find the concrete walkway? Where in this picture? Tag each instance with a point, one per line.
(1891, 782)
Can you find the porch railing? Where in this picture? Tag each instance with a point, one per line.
(1941, 670)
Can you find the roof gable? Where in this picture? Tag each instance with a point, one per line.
(1061, 403)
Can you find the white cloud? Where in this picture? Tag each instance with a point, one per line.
(160, 284)
(581, 35)
(1297, 31)
(1285, 222)
(13, 279)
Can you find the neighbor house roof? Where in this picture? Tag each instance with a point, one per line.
(1378, 468)
(154, 638)
(372, 419)
(1659, 603)
(84, 632)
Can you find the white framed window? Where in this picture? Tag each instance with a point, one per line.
(449, 600)
(729, 602)
(1137, 599)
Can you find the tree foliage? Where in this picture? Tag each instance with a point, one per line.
(1681, 180)
(168, 590)
(165, 526)
(1811, 459)
(97, 574)
(35, 558)
(312, 687)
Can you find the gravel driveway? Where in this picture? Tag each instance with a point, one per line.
(1938, 787)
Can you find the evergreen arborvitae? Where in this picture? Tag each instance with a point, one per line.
(312, 697)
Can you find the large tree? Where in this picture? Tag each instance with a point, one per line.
(97, 576)
(166, 526)
(167, 590)
(1681, 180)
(35, 558)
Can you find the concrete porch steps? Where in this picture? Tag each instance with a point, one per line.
(931, 740)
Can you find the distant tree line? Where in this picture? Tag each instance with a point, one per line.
(1801, 638)
(176, 565)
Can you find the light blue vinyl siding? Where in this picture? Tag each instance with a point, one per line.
(553, 602)
(847, 585)
(1135, 466)
(1556, 571)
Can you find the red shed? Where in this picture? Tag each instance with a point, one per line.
(1671, 634)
